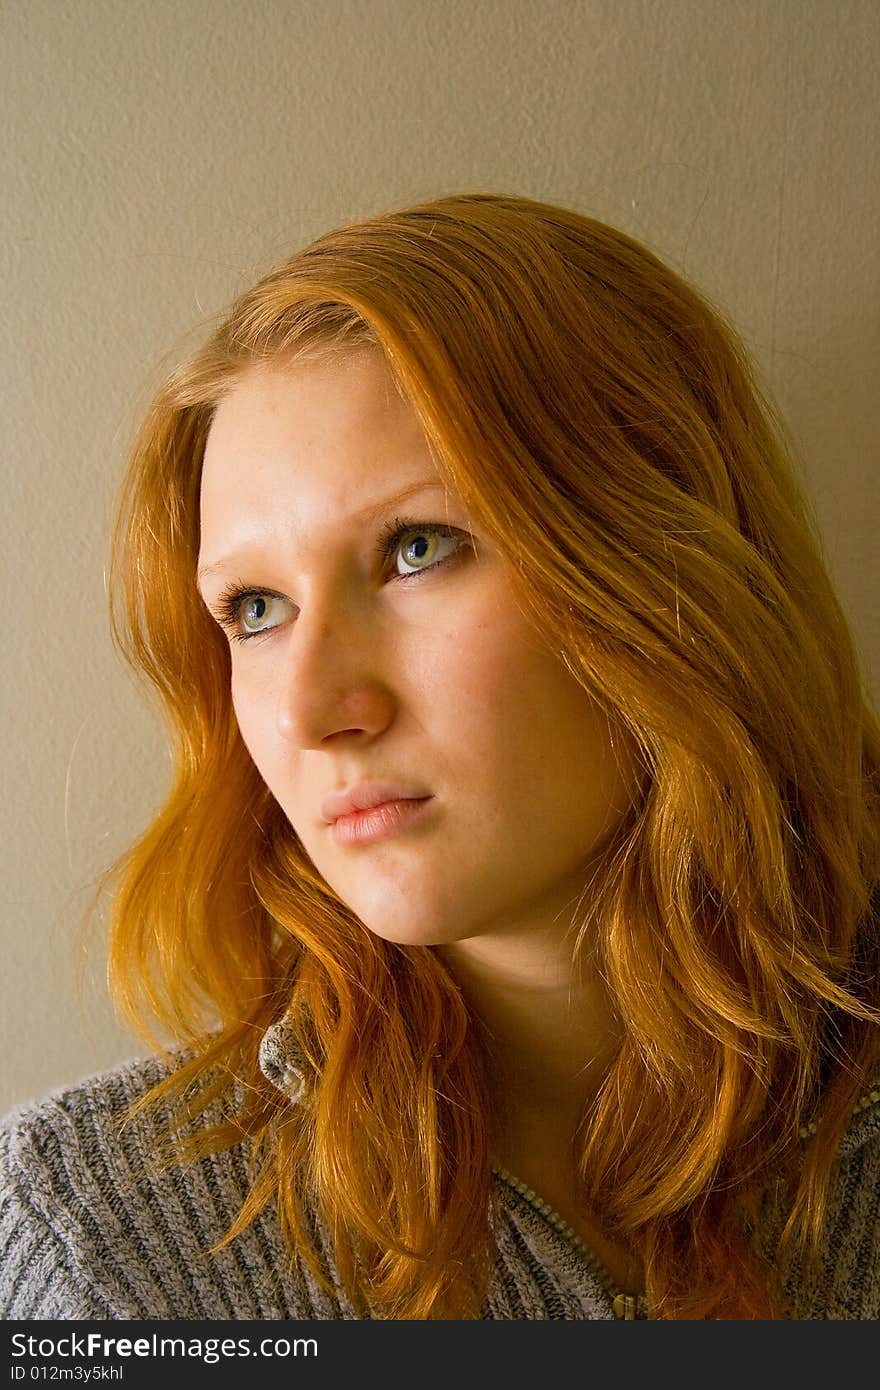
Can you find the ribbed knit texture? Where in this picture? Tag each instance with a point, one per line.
(86, 1232)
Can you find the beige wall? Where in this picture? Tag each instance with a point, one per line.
(156, 156)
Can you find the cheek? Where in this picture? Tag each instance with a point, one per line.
(486, 657)
(459, 682)
(509, 696)
(497, 672)
(255, 725)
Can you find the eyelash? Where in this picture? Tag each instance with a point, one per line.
(231, 599)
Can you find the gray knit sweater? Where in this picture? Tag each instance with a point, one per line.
(85, 1232)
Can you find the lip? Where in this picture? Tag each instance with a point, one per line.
(380, 821)
(367, 794)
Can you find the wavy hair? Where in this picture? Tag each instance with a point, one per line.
(602, 422)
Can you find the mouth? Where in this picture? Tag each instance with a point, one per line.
(380, 822)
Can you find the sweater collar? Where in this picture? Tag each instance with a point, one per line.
(281, 1060)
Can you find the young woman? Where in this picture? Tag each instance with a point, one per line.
(513, 906)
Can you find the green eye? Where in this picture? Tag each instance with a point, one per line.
(423, 542)
(240, 606)
(254, 604)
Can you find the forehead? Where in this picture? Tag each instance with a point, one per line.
(310, 417)
(305, 444)
(307, 404)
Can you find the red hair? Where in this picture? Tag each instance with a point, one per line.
(603, 423)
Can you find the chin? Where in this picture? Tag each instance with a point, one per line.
(407, 931)
(409, 934)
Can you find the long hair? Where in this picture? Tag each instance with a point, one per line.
(603, 424)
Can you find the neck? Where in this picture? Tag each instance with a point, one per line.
(549, 1038)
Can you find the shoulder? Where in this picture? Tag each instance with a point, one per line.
(69, 1113)
(846, 1283)
(90, 1227)
(863, 1131)
(854, 1240)
(75, 1135)
(61, 1167)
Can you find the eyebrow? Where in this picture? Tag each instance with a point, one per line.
(364, 514)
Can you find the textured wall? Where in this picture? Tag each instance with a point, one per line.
(158, 154)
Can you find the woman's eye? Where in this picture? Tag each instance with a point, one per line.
(254, 609)
(421, 547)
(247, 613)
(243, 612)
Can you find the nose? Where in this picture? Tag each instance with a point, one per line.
(335, 679)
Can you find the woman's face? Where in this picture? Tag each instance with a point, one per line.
(436, 681)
